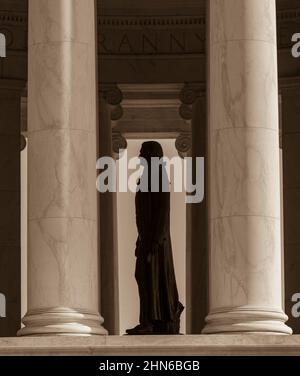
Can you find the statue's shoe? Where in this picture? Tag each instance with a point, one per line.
(169, 327)
(140, 330)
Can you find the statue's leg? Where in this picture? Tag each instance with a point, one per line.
(145, 326)
(142, 288)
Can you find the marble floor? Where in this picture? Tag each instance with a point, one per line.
(241, 344)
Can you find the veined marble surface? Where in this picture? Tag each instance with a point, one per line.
(244, 181)
(63, 283)
(237, 344)
(243, 20)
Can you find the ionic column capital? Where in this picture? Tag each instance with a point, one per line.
(113, 96)
(111, 93)
(188, 97)
(116, 113)
(183, 144)
(119, 142)
(191, 92)
(186, 111)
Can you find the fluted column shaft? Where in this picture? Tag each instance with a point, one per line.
(244, 180)
(62, 203)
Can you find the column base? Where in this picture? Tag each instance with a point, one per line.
(62, 321)
(247, 320)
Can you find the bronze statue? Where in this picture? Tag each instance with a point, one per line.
(160, 308)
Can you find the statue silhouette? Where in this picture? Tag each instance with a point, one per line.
(160, 308)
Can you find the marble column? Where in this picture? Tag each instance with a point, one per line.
(194, 108)
(110, 111)
(244, 178)
(63, 281)
(199, 221)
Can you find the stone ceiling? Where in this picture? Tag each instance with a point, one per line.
(167, 7)
(151, 7)
(288, 4)
(13, 5)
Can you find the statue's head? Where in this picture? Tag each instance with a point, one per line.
(151, 149)
(159, 178)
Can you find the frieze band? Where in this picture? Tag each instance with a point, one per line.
(157, 35)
